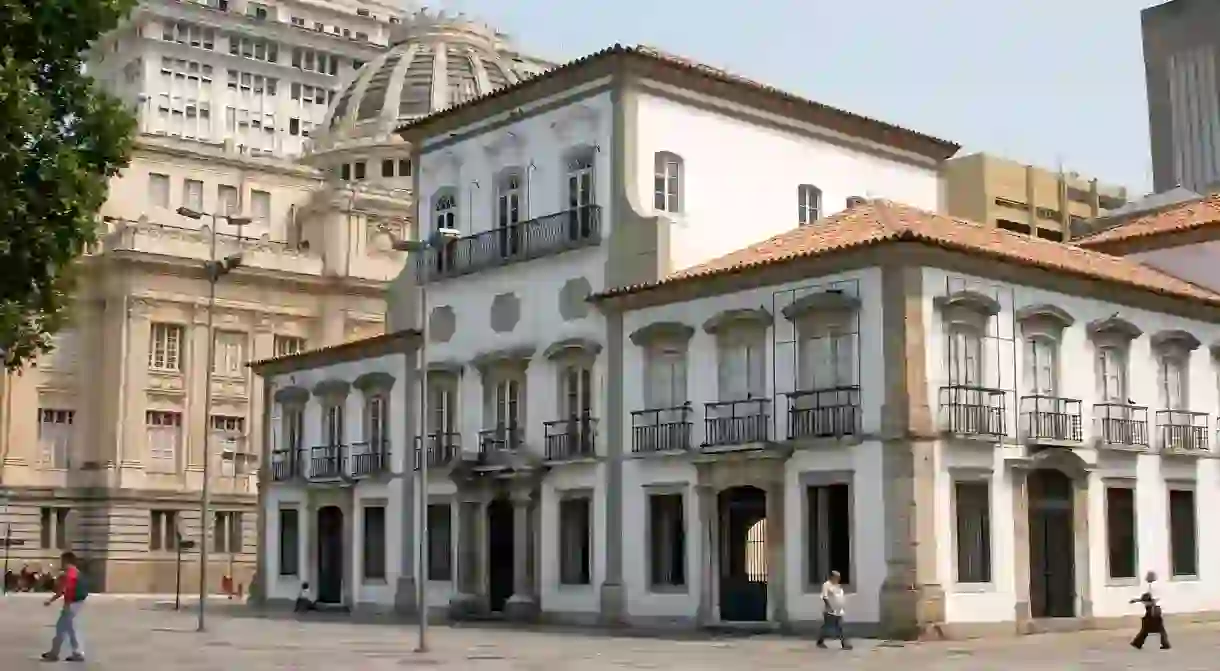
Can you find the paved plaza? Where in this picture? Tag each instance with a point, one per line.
(130, 635)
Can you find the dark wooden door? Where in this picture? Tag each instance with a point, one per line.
(330, 555)
(499, 554)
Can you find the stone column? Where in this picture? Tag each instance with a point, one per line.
(405, 593)
(521, 605)
(706, 539)
(1020, 521)
(1080, 528)
(777, 575)
(613, 595)
(467, 575)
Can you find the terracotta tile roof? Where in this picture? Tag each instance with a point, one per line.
(879, 221)
(1174, 219)
(831, 117)
(352, 349)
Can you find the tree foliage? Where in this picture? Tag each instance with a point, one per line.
(61, 139)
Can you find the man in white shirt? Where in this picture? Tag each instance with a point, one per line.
(833, 609)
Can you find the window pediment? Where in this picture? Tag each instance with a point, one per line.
(1045, 315)
(655, 332)
(822, 301)
(446, 367)
(573, 347)
(741, 318)
(1175, 339)
(292, 396)
(509, 357)
(1114, 328)
(970, 301)
(377, 381)
(332, 389)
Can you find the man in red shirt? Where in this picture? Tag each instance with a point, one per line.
(72, 591)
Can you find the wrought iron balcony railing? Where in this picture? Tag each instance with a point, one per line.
(661, 429)
(285, 464)
(833, 412)
(742, 422)
(1182, 430)
(1051, 418)
(1121, 424)
(444, 448)
(369, 458)
(538, 237)
(572, 438)
(973, 411)
(500, 439)
(327, 462)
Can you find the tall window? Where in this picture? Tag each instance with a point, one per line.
(294, 427)
(442, 409)
(227, 532)
(375, 421)
(55, 435)
(827, 357)
(828, 532)
(227, 200)
(444, 209)
(666, 377)
(1112, 374)
(53, 528)
(163, 530)
(575, 540)
(230, 354)
(505, 404)
(285, 345)
(809, 203)
(668, 182)
(1183, 533)
(742, 367)
(1174, 381)
(440, 542)
(192, 195)
(260, 206)
(164, 430)
(158, 189)
(332, 424)
(164, 347)
(576, 391)
(289, 545)
(581, 194)
(508, 199)
(965, 356)
(229, 432)
(1121, 538)
(972, 501)
(666, 541)
(1041, 366)
(374, 543)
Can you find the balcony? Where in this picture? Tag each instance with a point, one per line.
(568, 439)
(369, 458)
(500, 439)
(1120, 424)
(444, 449)
(824, 413)
(973, 411)
(543, 236)
(661, 429)
(1050, 418)
(1182, 430)
(285, 465)
(732, 423)
(327, 462)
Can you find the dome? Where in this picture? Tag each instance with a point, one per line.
(435, 61)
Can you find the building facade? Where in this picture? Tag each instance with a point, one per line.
(1024, 198)
(110, 464)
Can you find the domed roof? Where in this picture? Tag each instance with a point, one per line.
(436, 61)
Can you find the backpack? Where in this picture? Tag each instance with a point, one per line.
(82, 588)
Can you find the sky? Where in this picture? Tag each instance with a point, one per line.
(1047, 82)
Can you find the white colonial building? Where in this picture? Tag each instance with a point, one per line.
(653, 397)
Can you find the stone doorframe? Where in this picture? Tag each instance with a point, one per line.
(1079, 471)
(764, 469)
(342, 498)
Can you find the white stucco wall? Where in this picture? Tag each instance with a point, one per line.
(1077, 380)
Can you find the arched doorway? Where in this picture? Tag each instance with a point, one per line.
(330, 555)
(1052, 544)
(743, 554)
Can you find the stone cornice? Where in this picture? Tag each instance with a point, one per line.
(166, 146)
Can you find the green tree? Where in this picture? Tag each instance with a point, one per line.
(61, 139)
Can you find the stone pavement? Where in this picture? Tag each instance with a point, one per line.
(127, 635)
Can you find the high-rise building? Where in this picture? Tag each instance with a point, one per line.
(1181, 41)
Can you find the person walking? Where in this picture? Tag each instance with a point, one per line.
(72, 590)
(1153, 621)
(833, 608)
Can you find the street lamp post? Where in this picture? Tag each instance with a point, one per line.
(215, 269)
(436, 242)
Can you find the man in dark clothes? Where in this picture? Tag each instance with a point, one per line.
(1153, 621)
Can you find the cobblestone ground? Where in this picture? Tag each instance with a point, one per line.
(122, 636)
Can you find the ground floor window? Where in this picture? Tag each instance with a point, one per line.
(440, 542)
(1122, 546)
(828, 532)
(162, 530)
(972, 509)
(227, 532)
(290, 530)
(53, 528)
(374, 543)
(574, 541)
(666, 540)
(1183, 549)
